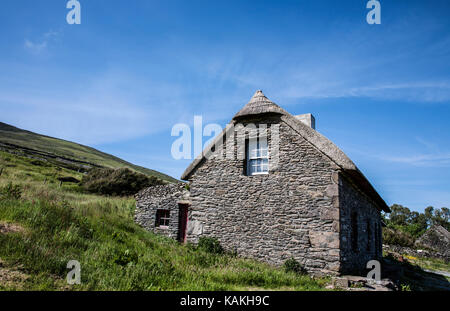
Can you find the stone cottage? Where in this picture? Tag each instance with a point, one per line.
(271, 187)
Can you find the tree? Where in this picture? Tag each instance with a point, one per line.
(441, 217)
(400, 215)
(402, 220)
(429, 214)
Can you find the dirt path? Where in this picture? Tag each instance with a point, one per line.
(443, 273)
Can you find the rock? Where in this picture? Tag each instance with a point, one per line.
(324, 239)
(358, 283)
(340, 282)
(10, 228)
(195, 227)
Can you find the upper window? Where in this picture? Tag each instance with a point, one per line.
(162, 218)
(257, 156)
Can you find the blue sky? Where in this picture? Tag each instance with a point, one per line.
(133, 69)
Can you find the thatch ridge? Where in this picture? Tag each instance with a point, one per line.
(259, 104)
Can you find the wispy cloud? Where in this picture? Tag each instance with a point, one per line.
(316, 78)
(428, 155)
(35, 47)
(427, 91)
(432, 157)
(431, 146)
(39, 45)
(109, 107)
(424, 160)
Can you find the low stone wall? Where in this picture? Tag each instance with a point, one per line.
(426, 253)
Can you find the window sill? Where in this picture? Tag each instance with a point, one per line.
(163, 227)
(258, 174)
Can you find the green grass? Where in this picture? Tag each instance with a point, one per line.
(62, 224)
(12, 135)
(435, 264)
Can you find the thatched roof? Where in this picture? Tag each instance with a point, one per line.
(260, 104)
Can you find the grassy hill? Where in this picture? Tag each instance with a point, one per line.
(43, 226)
(64, 153)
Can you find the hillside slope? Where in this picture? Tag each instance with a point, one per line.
(65, 153)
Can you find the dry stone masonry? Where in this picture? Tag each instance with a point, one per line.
(313, 204)
(161, 197)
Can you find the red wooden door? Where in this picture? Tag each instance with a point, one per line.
(182, 224)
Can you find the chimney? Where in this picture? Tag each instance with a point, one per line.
(307, 119)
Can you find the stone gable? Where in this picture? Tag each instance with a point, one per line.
(287, 213)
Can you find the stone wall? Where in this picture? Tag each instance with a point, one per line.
(291, 212)
(368, 235)
(166, 197)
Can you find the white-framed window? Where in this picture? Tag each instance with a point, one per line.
(257, 156)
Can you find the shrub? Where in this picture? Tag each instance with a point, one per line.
(210, 245)
(11, 191)
(292, 265)
(120, 182)
(392, 236)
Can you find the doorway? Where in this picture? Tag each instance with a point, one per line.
(182, 222)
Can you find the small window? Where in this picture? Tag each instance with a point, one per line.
(354, 223)
(162, 218)
(369, 236)
(257, 156)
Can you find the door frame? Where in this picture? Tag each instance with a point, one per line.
(183, 210)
